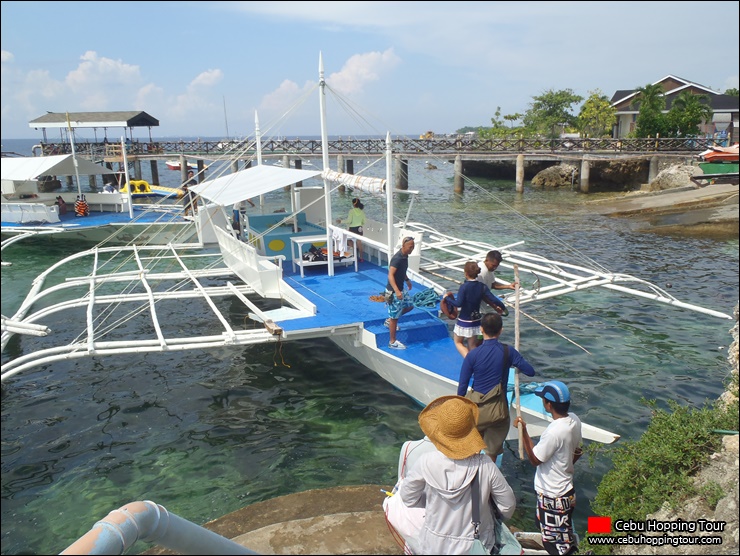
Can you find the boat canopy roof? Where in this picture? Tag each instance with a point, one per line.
(29, 168)
(131, 118)
(250, 182)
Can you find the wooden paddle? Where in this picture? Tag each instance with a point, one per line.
(516, 371)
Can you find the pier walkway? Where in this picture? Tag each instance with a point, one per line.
(471, 148)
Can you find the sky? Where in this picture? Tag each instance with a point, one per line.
(206, 68)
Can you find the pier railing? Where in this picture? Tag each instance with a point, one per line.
(401, 146)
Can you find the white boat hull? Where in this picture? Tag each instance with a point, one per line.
(424, 386)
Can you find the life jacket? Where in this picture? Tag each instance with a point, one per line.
(81, 206)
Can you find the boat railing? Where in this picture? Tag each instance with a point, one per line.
(149, 522)
(374, 246)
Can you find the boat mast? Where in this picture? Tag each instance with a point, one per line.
(74, 156)
(389, 192)
(258, 144)
(325, 160)
(126, 174)
(226, 120)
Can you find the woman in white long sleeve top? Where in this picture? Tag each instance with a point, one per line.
(440, 481)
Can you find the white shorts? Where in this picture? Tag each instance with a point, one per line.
(467, 331)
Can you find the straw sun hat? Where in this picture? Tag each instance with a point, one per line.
(450, 423)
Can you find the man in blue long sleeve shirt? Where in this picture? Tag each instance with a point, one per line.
(486, 366)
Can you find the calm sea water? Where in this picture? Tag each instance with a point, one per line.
(206, 432)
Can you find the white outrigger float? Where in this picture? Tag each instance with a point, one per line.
(134, 299)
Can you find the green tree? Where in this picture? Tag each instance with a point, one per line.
(511, 118)
(732, 92)
(687, 113)
(597, 115)
(651, 121)
(551, 112)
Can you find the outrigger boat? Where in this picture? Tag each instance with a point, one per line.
(261, 267)
(29, 210)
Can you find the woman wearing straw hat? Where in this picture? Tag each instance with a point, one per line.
(440, 480)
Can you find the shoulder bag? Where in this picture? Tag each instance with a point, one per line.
(493, 407)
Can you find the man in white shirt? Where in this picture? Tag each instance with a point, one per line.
(554, 457)
(488, 269)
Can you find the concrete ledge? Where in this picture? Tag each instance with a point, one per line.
(341, 520)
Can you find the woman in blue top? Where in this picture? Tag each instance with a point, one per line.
(469, 297)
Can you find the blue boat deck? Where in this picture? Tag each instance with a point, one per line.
(97, 219)
(345, 299)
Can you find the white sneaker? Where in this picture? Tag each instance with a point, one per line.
(387, 325)
(396, 345)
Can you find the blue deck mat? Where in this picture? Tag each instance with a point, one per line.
(345, 299)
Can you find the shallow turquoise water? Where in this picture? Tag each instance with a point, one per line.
(204, 433)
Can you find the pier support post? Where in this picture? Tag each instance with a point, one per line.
(401, 178)
(201, 171)
(298, 166)
(585, 175)
(137, 169)
(235, 166)
(340, 168)
(653, 168)
(155, 171)
(350, 166)
(183, 169)
(520, 173)
(286, 164)
(92, 182)
(458, 180)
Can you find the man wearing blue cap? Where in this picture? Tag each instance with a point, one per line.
(553, 456)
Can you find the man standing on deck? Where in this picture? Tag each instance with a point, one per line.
(554, 457)
(399, 302)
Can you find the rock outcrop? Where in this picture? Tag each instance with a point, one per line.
(671, 177)
(561, 175)
(612, 175)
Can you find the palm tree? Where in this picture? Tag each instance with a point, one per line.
(688, 112)
(650, 121)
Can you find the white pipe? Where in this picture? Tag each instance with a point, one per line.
(150, 522)
(24, 328)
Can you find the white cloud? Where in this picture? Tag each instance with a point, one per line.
(101, 75)
(149, 95)
(208, 78)
(362, 69)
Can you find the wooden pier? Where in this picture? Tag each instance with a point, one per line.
(456, 150)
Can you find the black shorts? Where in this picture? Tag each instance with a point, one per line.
(356, 230)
